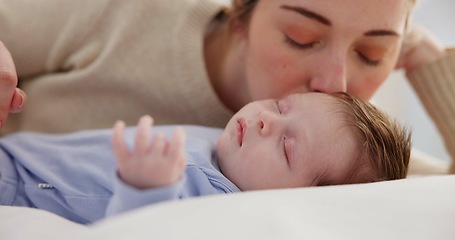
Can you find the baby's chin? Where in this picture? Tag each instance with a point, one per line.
(222, 148)
(228, 134)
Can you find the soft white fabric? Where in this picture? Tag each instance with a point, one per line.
(20, 223)
(415, 208)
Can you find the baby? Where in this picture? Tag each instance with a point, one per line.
(302, 140)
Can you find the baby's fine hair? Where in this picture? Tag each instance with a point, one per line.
(384, 146)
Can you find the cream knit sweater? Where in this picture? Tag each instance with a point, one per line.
(86, 63)
(435, 86)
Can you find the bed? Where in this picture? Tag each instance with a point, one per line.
(419, 207)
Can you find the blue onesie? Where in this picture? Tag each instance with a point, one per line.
(74, 175)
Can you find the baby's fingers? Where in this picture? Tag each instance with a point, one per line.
(143, 134)
(121, 151)
(177, 147)
(159, 145)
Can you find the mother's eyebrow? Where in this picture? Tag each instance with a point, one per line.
(321, 19)
(309, 14)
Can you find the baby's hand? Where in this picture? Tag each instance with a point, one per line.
(151, 164)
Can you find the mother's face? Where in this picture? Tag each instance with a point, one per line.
(322, 45)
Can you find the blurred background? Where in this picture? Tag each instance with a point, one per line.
(397, 97)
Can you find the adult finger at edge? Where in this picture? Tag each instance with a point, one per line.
(18, 101)
(8, 82)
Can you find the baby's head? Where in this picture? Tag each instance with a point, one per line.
(312, 139)
(383, 146)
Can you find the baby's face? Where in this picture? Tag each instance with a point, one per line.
(293, 142)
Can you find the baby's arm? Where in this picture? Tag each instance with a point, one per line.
(150, 164)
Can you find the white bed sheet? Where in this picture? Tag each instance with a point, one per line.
(415, 208)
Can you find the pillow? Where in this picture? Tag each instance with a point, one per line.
(30, 223)
(416, 208)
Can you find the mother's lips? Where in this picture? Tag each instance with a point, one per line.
(241, 127)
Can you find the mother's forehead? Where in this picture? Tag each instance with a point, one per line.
(353, 13)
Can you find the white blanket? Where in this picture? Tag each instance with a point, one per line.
(415, 208)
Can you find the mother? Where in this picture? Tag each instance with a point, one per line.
(85, 64)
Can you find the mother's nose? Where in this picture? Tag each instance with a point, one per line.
(329, 76)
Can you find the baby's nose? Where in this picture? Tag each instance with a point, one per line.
(267, 123)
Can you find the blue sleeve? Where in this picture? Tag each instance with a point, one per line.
(126, 198)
